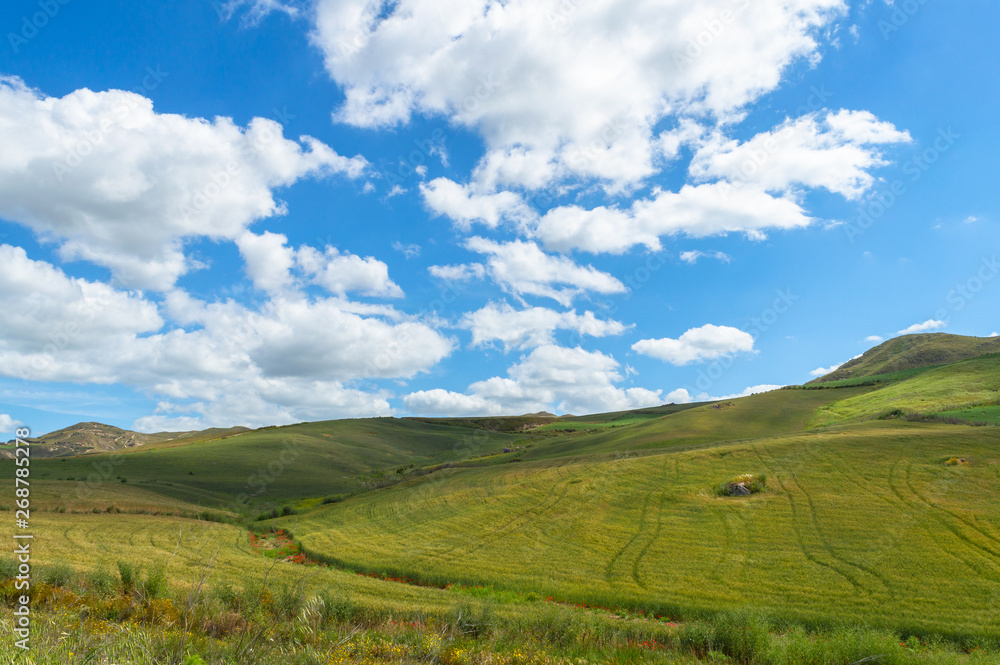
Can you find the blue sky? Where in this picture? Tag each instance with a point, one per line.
(262, 212)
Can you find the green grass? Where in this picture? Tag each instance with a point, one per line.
(169, 592)
(982, 414)
(275, 465)
(914, 351)
(949, 388)
(768, 414)
(863, 525)
(871, 380)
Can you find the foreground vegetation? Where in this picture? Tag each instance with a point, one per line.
(139, 615)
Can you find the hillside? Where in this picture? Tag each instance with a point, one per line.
(953, 388)
(911, 352)
(276, 464)
(97, 437)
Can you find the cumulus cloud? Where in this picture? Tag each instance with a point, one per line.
(554, 378)
(221, 363)
(708, 342)
(929, 324)
(134, 184)
(823, 371)
(696, 211)
(559, 89)
(833, 151)
(874, 339)
(535, 326)
(8, 425)
(463, 206)
(275, 267)
(521, 268)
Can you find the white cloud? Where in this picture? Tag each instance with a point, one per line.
(550, 378)
(409, 251)
(995, 334)
(835, 151)
(929, 324)
(693, 256)
(133, 184)
(222, 363)
(532, 327)
(8, 425)
(254, 11)
(267, 259)
(696, 211)
(560, 89)
(521, 268)
(340, 273)
(698, 344)
(463, 206)
(874, 338)
(270, 263)
(823, 371)
(752, 390)
(458, 273)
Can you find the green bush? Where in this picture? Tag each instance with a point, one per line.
(743, 485)
(57, 575)
(129, 576)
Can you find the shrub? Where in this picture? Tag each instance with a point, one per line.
(8, 568)
(58, 575)
(129, 575)
(155, 584)
(743, 485)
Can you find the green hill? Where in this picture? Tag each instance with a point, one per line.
(277, 464)
(951, 388)
(92, 437)
(913, 351)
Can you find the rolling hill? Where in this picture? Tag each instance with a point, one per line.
(92, 437)
(912, 352)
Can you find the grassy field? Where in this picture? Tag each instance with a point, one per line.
(952, 387)
(569, 541)
(981, 414)
(865, 524)
(273, 465)
(768, 414)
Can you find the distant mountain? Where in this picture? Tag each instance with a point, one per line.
(913, 352)
(98, 437)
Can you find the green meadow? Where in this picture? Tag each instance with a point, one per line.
(875, 536)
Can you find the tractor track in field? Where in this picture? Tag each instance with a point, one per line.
(526, 517)
(645, 548)
(969, 562)
(609, 569)
(798, 531)
(636, 577)
(828, 546)
(939, 511)
(957, 516)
